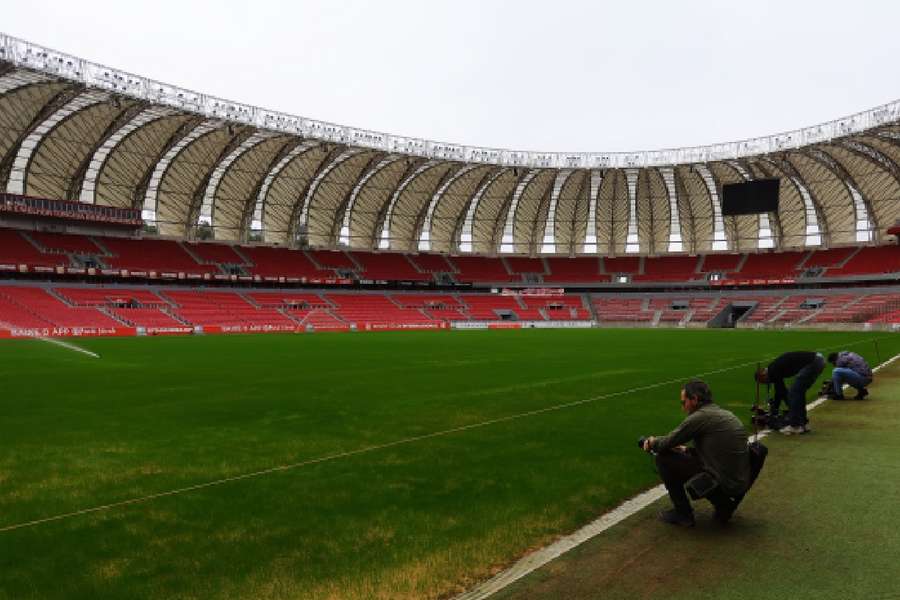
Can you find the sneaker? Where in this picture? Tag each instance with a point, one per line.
(673, 517)
(794, 430)
(862, 394)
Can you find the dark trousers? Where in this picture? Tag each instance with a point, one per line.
(676, 468)
(797, 394)
(796, 399)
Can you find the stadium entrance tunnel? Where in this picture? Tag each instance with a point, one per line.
(731, 314)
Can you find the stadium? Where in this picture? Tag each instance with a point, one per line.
(252, 354)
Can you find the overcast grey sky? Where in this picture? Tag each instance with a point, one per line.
(554, 76)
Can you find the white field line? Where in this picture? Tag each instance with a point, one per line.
(365, 450)
(539, 558)
(67, 345)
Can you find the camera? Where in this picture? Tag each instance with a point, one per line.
(764, 419)
(759, 417)
(641, 441)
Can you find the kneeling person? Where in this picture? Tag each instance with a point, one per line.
(719, 449)
(852, 369)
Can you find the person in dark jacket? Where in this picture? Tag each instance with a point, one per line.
(805, 368)
(719, 449)
(852, 369)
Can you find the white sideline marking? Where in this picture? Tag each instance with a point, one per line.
(539, 558)
(67, 345)
(358, 451)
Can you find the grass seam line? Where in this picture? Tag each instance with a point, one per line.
(367, 449)
(537, 559)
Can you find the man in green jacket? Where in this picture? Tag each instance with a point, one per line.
(719, 449)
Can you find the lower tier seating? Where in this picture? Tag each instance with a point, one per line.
(41, 306)
(37, 307)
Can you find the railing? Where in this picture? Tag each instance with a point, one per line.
(33, 56)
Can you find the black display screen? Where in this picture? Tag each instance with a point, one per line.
(750, 197)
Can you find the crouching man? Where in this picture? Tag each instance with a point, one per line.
(719, 451)
(852, 369)
(805, 368)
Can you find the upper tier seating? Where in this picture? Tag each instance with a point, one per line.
(58, 242)
(16, 250)
(432, 263)
(215, 253)
(622, 265)
(871, 260)
(771, 265)
(329, 259)
(46, 250)
(831, 257)
(151, 255)
(582, 269)
(388, 267)
(720, 263)
(668, 268)
(282, 262)
(523, 264)
(482, 269)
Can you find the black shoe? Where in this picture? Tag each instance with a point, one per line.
(673, 517)
(862, 394)
(723, 515)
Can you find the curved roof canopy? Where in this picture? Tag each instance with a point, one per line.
(194, 163)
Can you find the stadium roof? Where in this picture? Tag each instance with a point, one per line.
(78, 130)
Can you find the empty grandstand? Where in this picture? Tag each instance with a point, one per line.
(379, 233)
(198, 464)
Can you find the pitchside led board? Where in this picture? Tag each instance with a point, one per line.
(750, 197)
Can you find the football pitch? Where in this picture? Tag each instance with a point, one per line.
(388, 465)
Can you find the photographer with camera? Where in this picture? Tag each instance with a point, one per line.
(805, 368)
(717, 467)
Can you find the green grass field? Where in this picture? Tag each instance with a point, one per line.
(419, 519)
